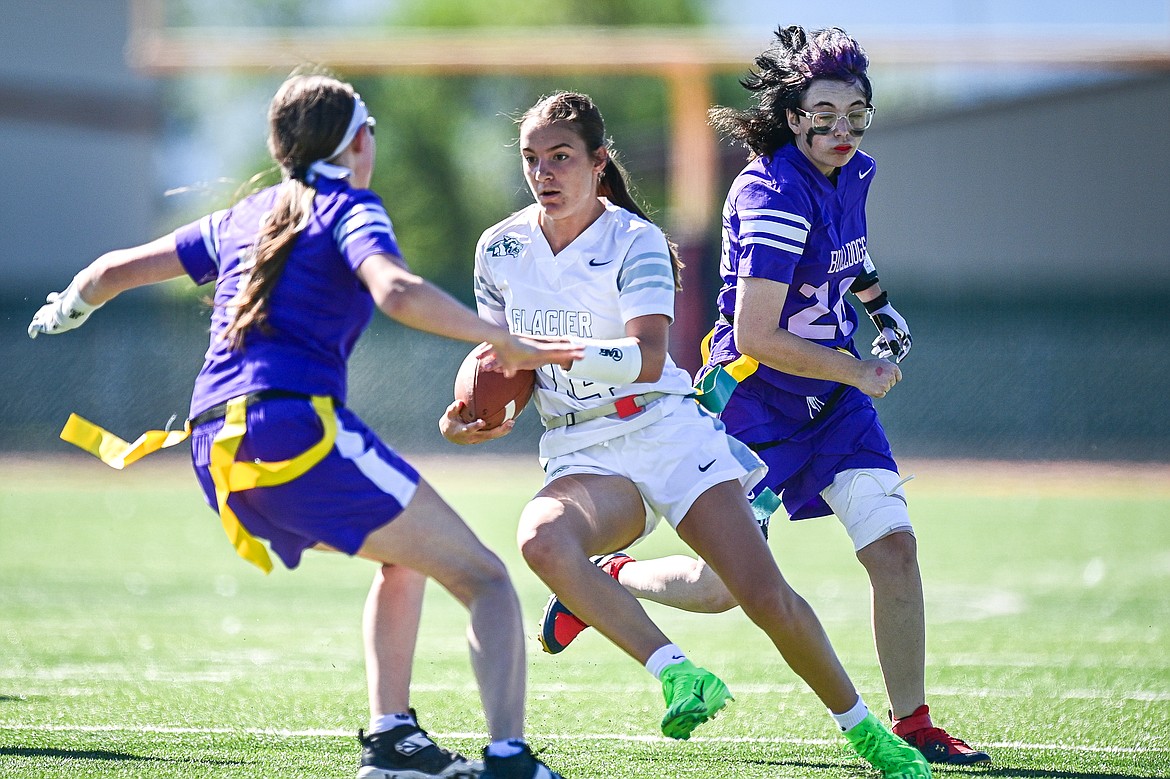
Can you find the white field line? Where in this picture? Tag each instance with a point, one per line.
(333, 733)
(87, 673)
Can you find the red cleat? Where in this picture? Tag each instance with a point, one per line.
(935, 744)
(559, 626)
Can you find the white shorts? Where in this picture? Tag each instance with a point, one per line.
(671, 462)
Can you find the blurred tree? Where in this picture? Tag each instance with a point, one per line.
(520, 13)
(447, 166)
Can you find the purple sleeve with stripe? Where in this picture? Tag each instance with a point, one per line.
(364, 230)
(771, 228)
(198, 247)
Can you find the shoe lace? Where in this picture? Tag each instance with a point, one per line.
(937, 738)
(682, 688)
(367, 741)
(449, 754)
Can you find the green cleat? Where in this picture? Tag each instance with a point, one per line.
(886, 752)
(693, 696)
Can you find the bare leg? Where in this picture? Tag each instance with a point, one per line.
(677, 581)
(431, 538)
(390, 626)
(899, 621)
(581, 515)
(720, 528)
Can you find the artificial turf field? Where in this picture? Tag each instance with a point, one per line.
(133, 642)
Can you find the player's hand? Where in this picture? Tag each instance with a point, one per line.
(463, 433)
(877, 377)
(62, 311)
(893, 339)
(517, 353)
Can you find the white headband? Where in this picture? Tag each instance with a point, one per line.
(360, 115)
(323, 168)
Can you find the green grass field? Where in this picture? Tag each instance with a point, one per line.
(133, 643)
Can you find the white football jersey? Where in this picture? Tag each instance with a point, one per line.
(615, 271)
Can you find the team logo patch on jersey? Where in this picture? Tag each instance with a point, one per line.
(508, 246)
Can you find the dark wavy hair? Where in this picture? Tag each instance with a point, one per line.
(580, 113)
(781, 77)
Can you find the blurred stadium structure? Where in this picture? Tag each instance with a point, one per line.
(1024, 233)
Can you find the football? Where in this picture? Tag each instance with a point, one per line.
(490, 395)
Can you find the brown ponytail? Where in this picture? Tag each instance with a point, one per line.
(306, 120)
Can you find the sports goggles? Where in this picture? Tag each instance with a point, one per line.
(824, 122)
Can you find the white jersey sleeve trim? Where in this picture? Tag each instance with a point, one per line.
(793, 248)
(360, 220)
(209, 230)
(774, 229)
(750, 214)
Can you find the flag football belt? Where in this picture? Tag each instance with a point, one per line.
(714, 387)
(220, 411)
(622, 408)
(227, 474)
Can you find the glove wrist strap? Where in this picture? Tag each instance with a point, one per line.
(72, 302)
(877, 304)
(864, 281)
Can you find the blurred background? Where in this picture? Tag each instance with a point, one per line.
(1020, 216)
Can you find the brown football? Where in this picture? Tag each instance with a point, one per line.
(490, 395)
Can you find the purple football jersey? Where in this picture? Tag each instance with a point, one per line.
(317, 309)
(785, 221)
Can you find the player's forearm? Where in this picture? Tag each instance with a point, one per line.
(416, 303)
(115, 272)
(869, 293)
(783, 351)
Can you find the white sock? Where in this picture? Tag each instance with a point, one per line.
(662, 657)
(505, 747)
(850, 719)
(386, 722)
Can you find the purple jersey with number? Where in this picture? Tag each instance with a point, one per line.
(318, 307)
(785, 221)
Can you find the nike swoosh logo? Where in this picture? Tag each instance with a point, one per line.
(867, 172)
(597, 264)
(703, 468)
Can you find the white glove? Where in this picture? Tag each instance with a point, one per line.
(62, 311)
(893, 338)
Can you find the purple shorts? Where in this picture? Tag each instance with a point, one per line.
(360, 485)
(803, 457)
